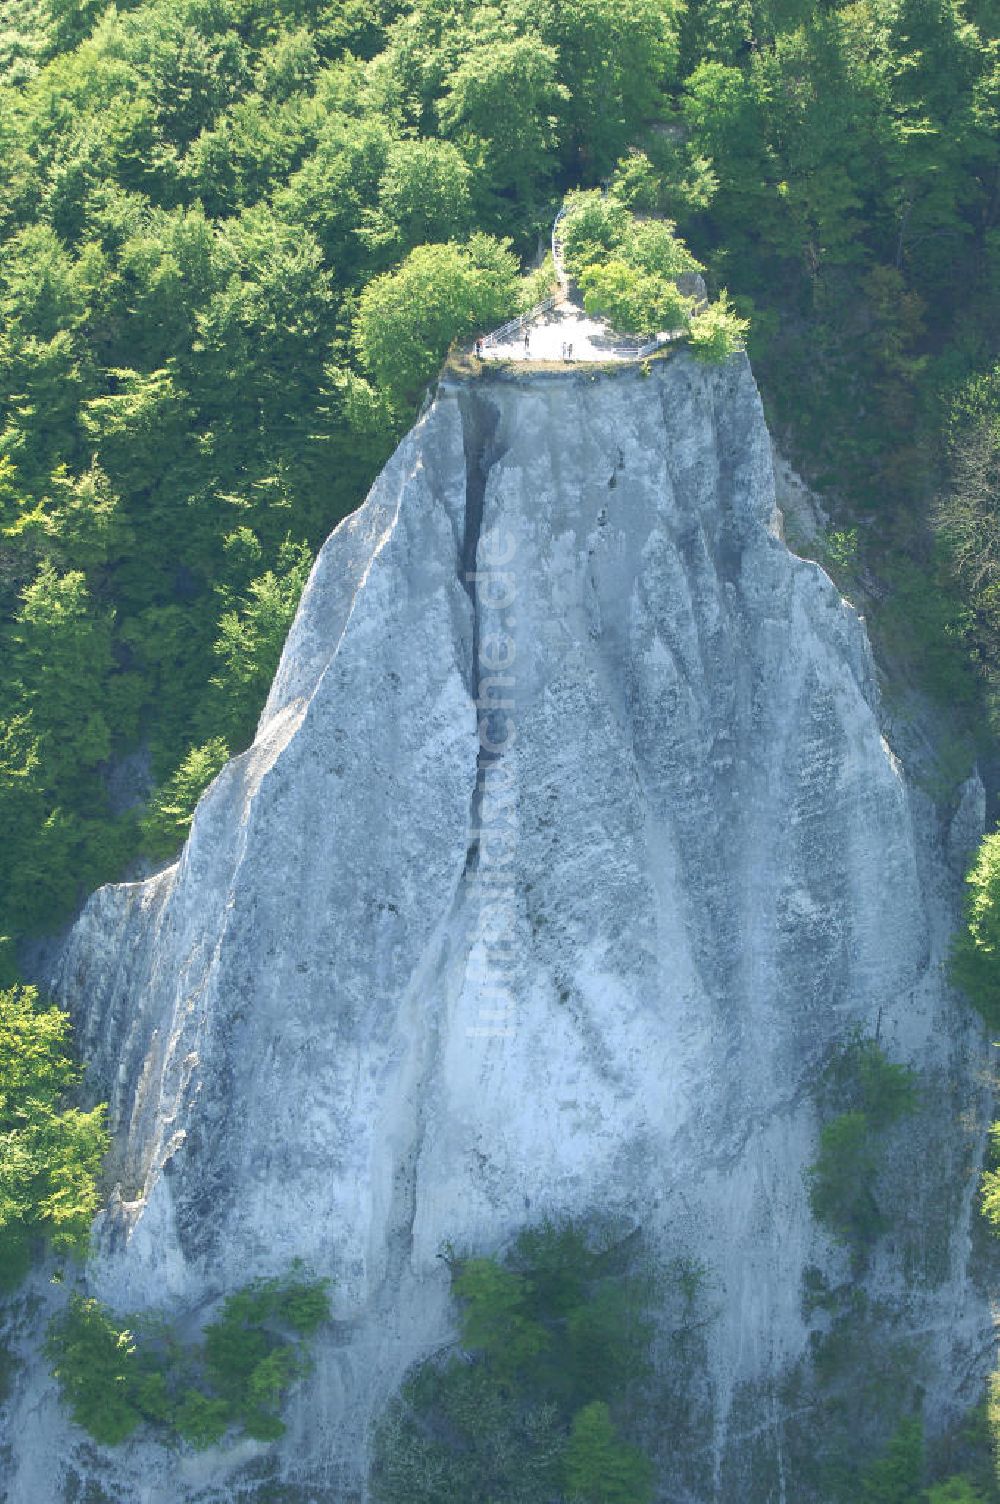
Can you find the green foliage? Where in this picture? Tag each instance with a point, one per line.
(94, 1363)
(423, 196)
(633, 300)
(599, 1467)
(115, 1378)
(201, 1420)
(50, 1154)
(595, 227)
(628, 270)
(842, 1180)
(896, 1477)
(407, 319)
(495, 1317)
(557, 1337)
(957, 1490)
(990, 1185)
(246, 1363)
(168, 819)
(842, 548)
(251, 635)
(861, 1077)
(716, 331)
(975, 955)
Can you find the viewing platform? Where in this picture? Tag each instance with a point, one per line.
(563, 332)
(560, 329)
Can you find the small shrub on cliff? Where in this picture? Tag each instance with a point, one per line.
(975, 955)
(990, 1185)
(115, 1377)
(956, 1490)
(875, 1092)
(94, 1361)
(841, 1180)
(896, 1477)
(556, 1339)
(716, 332)
(201, 1420)
(171, 811)
(50, 1154)
(599, 1467)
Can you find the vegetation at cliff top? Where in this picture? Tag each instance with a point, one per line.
(236, 239)
(118, 1377)
(50, 1152)
(628, 269)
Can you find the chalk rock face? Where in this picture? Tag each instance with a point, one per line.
(568, 847)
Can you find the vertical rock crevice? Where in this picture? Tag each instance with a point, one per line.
(480, 429)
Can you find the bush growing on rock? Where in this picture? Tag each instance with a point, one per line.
(875, 1093)
(628, 268)
(555, 1339)
(115, 1378)
(50, 1154)
(716, 332)
(599, 1467)
(94, 1361)
(975, 955)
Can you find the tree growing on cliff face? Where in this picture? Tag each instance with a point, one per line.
(50, 1153)
(554, 1336)
(115, 1379)
(897, 1476)
(975, 955)
(94, 1361)
(601, 1468)
(168, 818)
(875, 1093)
(717, 331)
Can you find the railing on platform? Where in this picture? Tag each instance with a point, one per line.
(557, 250)
(499, 336)
(636, 349)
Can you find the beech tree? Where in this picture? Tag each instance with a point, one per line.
(407, 319)
(975, 955)
(50, 1154)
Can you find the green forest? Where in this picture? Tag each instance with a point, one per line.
(238, 237)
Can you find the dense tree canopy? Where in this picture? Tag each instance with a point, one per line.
(236, 239)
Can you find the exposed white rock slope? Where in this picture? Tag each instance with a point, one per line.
(318, 1039)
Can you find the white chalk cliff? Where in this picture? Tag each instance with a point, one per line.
(426, 972)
